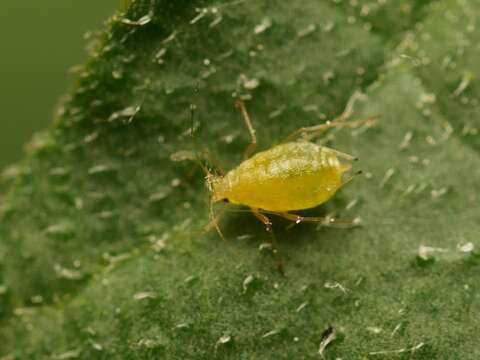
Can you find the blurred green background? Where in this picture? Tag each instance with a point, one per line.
(39, 42)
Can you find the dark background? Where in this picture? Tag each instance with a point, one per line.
(39, 42)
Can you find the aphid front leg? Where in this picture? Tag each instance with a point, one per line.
(327, 221)
(251, 130)
(214, 220)
(268, 225)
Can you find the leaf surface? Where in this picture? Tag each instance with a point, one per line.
(102, 253)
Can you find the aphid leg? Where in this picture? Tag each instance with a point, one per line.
(311, 132)
(211, 223)
(348, 111)
(327, 221)
(214, 220)
(248, 122)
(268, 225)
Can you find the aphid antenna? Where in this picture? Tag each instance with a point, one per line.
(198, 159)
(209, 176)
(203, 157)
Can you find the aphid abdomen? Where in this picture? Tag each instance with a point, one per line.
(290, 176)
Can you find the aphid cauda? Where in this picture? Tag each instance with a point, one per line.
(297, 174)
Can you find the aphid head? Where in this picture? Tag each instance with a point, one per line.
(216, 186)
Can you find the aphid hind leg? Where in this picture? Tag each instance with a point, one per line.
(240, 104)
(311, 132)
(268, 225)
(348, 111)
(327, 221)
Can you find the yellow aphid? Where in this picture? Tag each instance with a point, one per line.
(290, 176)
(295, 175)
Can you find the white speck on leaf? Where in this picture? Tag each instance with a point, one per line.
(144, 20)
(144, 295)
(264, 25)
(399, 351)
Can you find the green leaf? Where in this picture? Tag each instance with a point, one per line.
(102, 248)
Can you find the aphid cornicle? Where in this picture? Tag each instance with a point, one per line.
(294, 175)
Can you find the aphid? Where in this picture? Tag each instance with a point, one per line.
(297, 174)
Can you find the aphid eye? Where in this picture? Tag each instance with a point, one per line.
(226, 201)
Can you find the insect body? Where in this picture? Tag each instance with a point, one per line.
(291, 176)
(295, 175)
